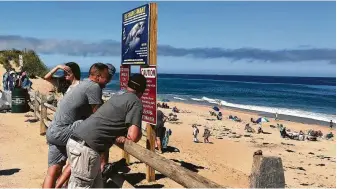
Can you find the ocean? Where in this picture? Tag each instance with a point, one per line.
(304, 97)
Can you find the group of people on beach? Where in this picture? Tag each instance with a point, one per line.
(206, 135)
(84, 127)
(12, 79)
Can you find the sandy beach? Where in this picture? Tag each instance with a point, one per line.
(227, 161)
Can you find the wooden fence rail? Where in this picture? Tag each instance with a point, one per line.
(268, 174)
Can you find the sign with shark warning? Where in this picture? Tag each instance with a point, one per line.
(135, 36)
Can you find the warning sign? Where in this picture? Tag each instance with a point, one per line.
(149, 98)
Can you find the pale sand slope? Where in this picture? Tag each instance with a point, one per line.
(227, 161)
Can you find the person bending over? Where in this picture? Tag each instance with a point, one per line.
(118, 120)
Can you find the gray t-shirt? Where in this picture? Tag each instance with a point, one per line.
(111, 120)
(74, 106)
(160, 119)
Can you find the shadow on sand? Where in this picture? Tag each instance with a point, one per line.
(8, 172)
(189, 166)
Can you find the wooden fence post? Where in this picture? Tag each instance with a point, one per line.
(36, 104)
(126, 156)
(150, 145)
(43, 128)
(267, 172)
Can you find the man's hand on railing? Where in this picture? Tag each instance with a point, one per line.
(121, 140)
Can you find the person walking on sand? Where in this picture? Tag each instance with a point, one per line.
(74, 107)
(118, 120)
(331, 124)
(160, 129)
(195, 133)
(207, 134)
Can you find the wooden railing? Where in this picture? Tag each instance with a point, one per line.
(267, 172)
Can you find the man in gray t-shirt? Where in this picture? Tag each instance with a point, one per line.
(120, 116)
(74, 107)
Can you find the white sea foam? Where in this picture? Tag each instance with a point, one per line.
(178, 98)
(285, 111)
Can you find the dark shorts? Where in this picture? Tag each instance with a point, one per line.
(160, 132)
(57, 153)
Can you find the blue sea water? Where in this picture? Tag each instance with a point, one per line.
(306, 97)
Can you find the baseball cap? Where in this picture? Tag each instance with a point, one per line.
(111, 69)
(137, 82)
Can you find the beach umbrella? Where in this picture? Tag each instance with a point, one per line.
(215, 108)
(262, 119)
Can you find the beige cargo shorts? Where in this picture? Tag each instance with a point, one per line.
(85, 166)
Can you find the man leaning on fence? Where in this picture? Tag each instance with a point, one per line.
(84, 100)
(118, 120)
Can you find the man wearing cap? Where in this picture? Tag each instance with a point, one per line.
(117, 120)
(76, 106)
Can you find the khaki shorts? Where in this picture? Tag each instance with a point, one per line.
(85, 166)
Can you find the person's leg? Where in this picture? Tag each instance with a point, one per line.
(64, 176)
(56, 161)
(85, 166)
(158, 141)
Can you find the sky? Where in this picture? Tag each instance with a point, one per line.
(227, 38)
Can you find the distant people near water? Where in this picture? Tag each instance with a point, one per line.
(206, 135)
(276, 116)
(175, 109)
(195, 133)
(160, 129)
(331, 124)
(71, 77)
(219, 116)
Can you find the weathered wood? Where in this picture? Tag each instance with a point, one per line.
(126, 156)
(46, 122)
(168, 168)
(36, 104)
(267, 172)
(150, 145)
(43, 128)
(51, 107)
(39, 100)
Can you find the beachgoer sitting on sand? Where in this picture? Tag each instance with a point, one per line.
(249, 129)
(283, 132)
(74, 107)
(159, 105)
(301, 136)
(172, 117)
(259, 130)
(212, 113)
(206, 135)
(175, 109)
(252, 120)
(329, 136)
(195, 133)
(219, 116)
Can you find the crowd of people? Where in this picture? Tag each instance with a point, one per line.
(12, 79)
(84, 128)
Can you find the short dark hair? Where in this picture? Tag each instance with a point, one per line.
(75, 68)
(97, 68)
